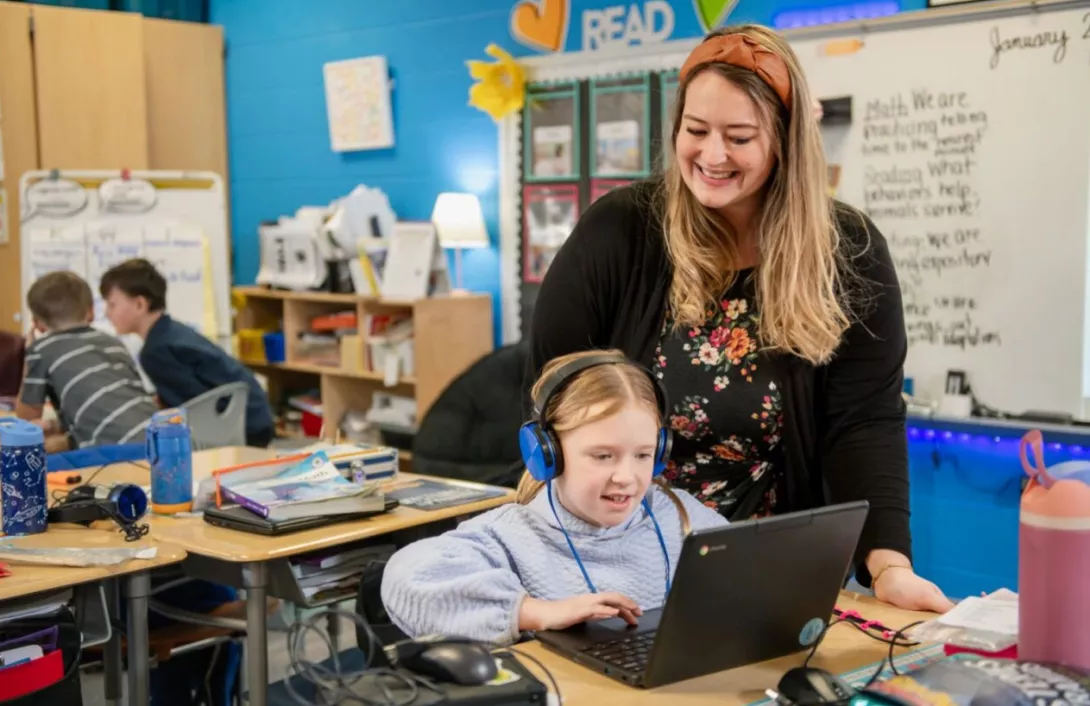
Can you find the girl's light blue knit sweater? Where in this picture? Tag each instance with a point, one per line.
(470, 582)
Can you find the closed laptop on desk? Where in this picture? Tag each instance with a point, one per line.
(743, 593)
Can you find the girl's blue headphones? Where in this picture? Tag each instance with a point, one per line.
(540, 446)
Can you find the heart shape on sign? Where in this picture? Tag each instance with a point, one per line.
(540, 24)
(711, 13)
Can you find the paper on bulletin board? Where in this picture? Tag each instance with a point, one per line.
(358, 102)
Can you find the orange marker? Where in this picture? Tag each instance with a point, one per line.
(841, 47)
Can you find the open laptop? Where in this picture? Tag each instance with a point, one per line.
(743, 593)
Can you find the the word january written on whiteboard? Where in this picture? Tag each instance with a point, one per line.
(1053, 41)
(622, 26)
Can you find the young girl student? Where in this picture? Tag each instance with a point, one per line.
(595, 533)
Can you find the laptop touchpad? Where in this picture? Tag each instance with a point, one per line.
(615, 628)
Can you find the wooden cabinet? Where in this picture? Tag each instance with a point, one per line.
(92, 92)
(90, 89)
(19, 143)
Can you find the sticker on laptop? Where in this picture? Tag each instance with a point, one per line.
(811, 631)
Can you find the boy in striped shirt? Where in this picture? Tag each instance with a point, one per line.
(89, 376)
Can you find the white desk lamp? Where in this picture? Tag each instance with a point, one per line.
(459, 224)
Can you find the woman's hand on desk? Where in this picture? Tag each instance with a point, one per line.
(536, 614)
(895, 582)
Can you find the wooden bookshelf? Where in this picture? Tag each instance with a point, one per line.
(450, 333)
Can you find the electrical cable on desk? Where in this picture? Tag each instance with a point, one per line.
(542, 667)
(59, 495)
(866, 627)
(335, 686)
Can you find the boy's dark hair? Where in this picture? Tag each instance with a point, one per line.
(60, 299)
(136, 278)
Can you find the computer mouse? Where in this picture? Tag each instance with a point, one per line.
(810, 685)
(461, 663)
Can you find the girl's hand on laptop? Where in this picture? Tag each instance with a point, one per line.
(536, 614)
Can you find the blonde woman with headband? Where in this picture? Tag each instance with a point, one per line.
(770, 313)
(595, 533)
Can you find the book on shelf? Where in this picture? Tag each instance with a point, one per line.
(312, 486)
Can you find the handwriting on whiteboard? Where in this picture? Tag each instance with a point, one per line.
(920, 185)
(1054, 42)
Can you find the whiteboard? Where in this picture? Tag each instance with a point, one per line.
(88, 221)
(969, 146)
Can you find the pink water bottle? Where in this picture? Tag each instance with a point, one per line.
(1054, 560)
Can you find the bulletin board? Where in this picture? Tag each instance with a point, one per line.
(88, 221)
(578, 140)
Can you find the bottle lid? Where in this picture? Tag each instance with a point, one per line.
(173, 415)
(19, 432)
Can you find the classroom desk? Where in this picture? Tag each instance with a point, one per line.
(216, 551)
(843, 649)
(27, 580)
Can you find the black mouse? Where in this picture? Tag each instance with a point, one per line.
(461, 663)
(810, 685)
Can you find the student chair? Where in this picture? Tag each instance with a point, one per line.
(217, 418)
(471, 430)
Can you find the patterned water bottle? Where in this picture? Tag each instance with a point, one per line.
(1054, 560)
(22, 477)
(170, 453)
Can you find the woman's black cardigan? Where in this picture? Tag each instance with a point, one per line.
(844, 422)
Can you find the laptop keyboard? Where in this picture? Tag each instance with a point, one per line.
(630, 653)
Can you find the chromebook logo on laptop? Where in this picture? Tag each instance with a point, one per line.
(704, 550)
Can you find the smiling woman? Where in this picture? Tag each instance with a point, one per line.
(769, 313)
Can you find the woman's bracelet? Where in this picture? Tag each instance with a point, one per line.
(884, 569)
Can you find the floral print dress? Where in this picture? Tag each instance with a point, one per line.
(726, 408)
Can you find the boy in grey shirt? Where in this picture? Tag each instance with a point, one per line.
(89, 376)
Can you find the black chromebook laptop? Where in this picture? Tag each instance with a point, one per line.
(743, 593)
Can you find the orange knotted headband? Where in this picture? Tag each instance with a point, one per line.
(741, 51)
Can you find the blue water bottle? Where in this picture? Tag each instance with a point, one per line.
(22, 477)
(170, 453)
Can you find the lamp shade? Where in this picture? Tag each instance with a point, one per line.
(458, 221)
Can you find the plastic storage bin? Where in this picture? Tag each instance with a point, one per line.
(251, 345)
(274, 347)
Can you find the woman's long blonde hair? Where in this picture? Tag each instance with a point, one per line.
(605, 390)
(799, 280)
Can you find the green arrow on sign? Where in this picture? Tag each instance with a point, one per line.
(711, 13)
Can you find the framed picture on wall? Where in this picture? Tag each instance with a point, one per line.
(601, 187)
(551, 133)
(549, 214)
(620, 124)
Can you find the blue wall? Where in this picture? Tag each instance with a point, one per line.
(278, 135)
